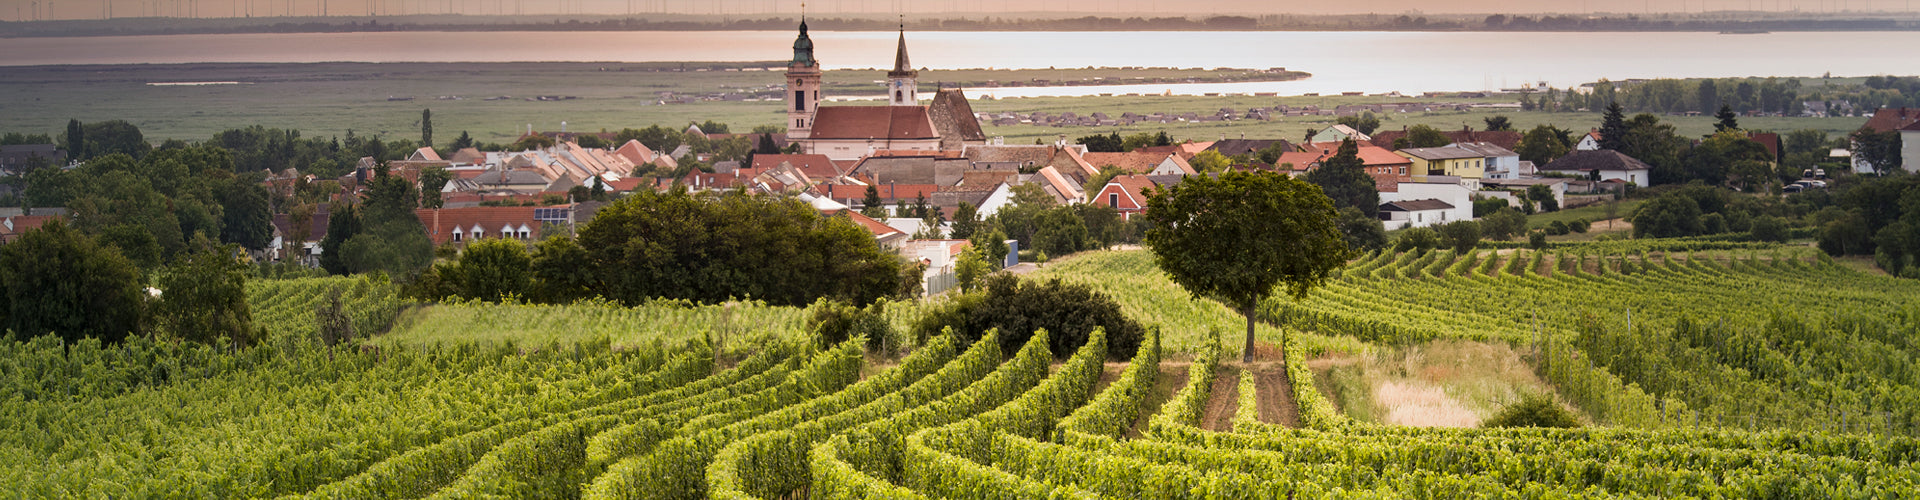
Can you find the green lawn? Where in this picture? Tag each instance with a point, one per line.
(327, 100)
(1592, 213)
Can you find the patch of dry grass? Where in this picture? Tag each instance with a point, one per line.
(1439, 384)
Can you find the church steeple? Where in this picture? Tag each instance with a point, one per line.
(803, 87)
(901, 82)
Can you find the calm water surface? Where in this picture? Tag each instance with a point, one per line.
(1340, 61)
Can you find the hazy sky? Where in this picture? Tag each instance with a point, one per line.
(96, 9)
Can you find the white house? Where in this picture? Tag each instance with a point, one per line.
(1589, 142)
(1002, 196)
(1610, 165)
(1443, 189)
(1339, 133)
(1420, 213)
(1502, 163)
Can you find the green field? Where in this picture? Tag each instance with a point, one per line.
(1748, 373)
(327, 100)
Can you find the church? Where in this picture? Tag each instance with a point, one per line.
(853, 132)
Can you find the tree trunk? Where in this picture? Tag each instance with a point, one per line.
(1247, 355)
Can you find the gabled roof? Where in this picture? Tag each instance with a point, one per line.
(1503, 138)
(1416, 206)
(1441, 153)
(817, 167)
(1599, 159)
(1131, 188)
(873, 122)
(1487, 149)
(880, 230)
(1891, 119)
(316, 230)
(441, 223)
(1137, 162)
(424, 154)
(1237, 147)
(953, 117)
(1370, 155)
(468, 156)
(1066, 188)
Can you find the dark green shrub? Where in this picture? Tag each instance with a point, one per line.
(1069, 312)
(832, 322)
(1533, 410)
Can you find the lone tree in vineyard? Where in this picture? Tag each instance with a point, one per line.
(1241, 236)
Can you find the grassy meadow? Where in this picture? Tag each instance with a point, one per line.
(329, 99)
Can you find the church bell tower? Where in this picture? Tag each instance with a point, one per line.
(803, 87)
(902, 88)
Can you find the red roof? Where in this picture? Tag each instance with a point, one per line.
(1371, 155)
(1130, 190)
(493, 222)
(1891, 119)
(888, 192)
(879, 229)
(873, 122)
(815, 166)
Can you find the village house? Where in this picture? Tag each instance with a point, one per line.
(1450, 161)
(460, 226)
(1141, 162)
(1126, 194)
(1904, 120)
(1610, 165)
(1501, 163)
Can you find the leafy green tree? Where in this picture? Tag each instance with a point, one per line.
(532, 143)
(1240, 237)
(1498, 123)
(1423, 136)
(1543, 144)
(992, 245)
(1419, 238)
(1270, 155)
(1725, 120)
(204, 298)
(1059, 231)
(1096, 143)
(966, 220)
(1503, 224)
(1365, 122)
(494, 268)
(1208, 162)
(76, 140)
(1613, 128)
(432, 181)
(246, 218)
(1104, 225)
(1533, 410)
(1069, 312)
(970, 268)
(1362, 232)
(1098, 181)
(1344, 179)
(1881, 150)
(343, 222)
(1769, 228)
(557, 271)
(115, 136)
(590, 141)
(1537, 239)
(1708, 96)
(463, 142)
(60, 282)
(1543, 196)
(426, 128)
(1460, 235)
(716, 247)
(872, 205)
(1658, 145)
(1669, 216)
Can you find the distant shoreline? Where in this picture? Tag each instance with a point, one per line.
(1660, 23)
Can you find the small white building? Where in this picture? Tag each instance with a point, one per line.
(1589, 142)
(1420, 213)
(1610, 165)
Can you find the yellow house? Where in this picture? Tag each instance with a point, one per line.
(1446, 160)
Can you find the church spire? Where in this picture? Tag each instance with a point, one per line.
(905, 90)
(902, 68)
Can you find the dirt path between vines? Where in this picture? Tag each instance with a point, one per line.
(1224, 401)
(1274, 392)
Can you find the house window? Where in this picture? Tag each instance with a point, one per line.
(524, 234)
(456, 235)
(1113, 200)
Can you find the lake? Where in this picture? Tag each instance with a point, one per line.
(1372, 62)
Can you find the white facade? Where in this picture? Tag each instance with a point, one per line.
(1001, 197)
(1910, 150)
(1452, 193)
(1422, 218)
(1637, 177)
(1587, 143)
(1503, 167)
